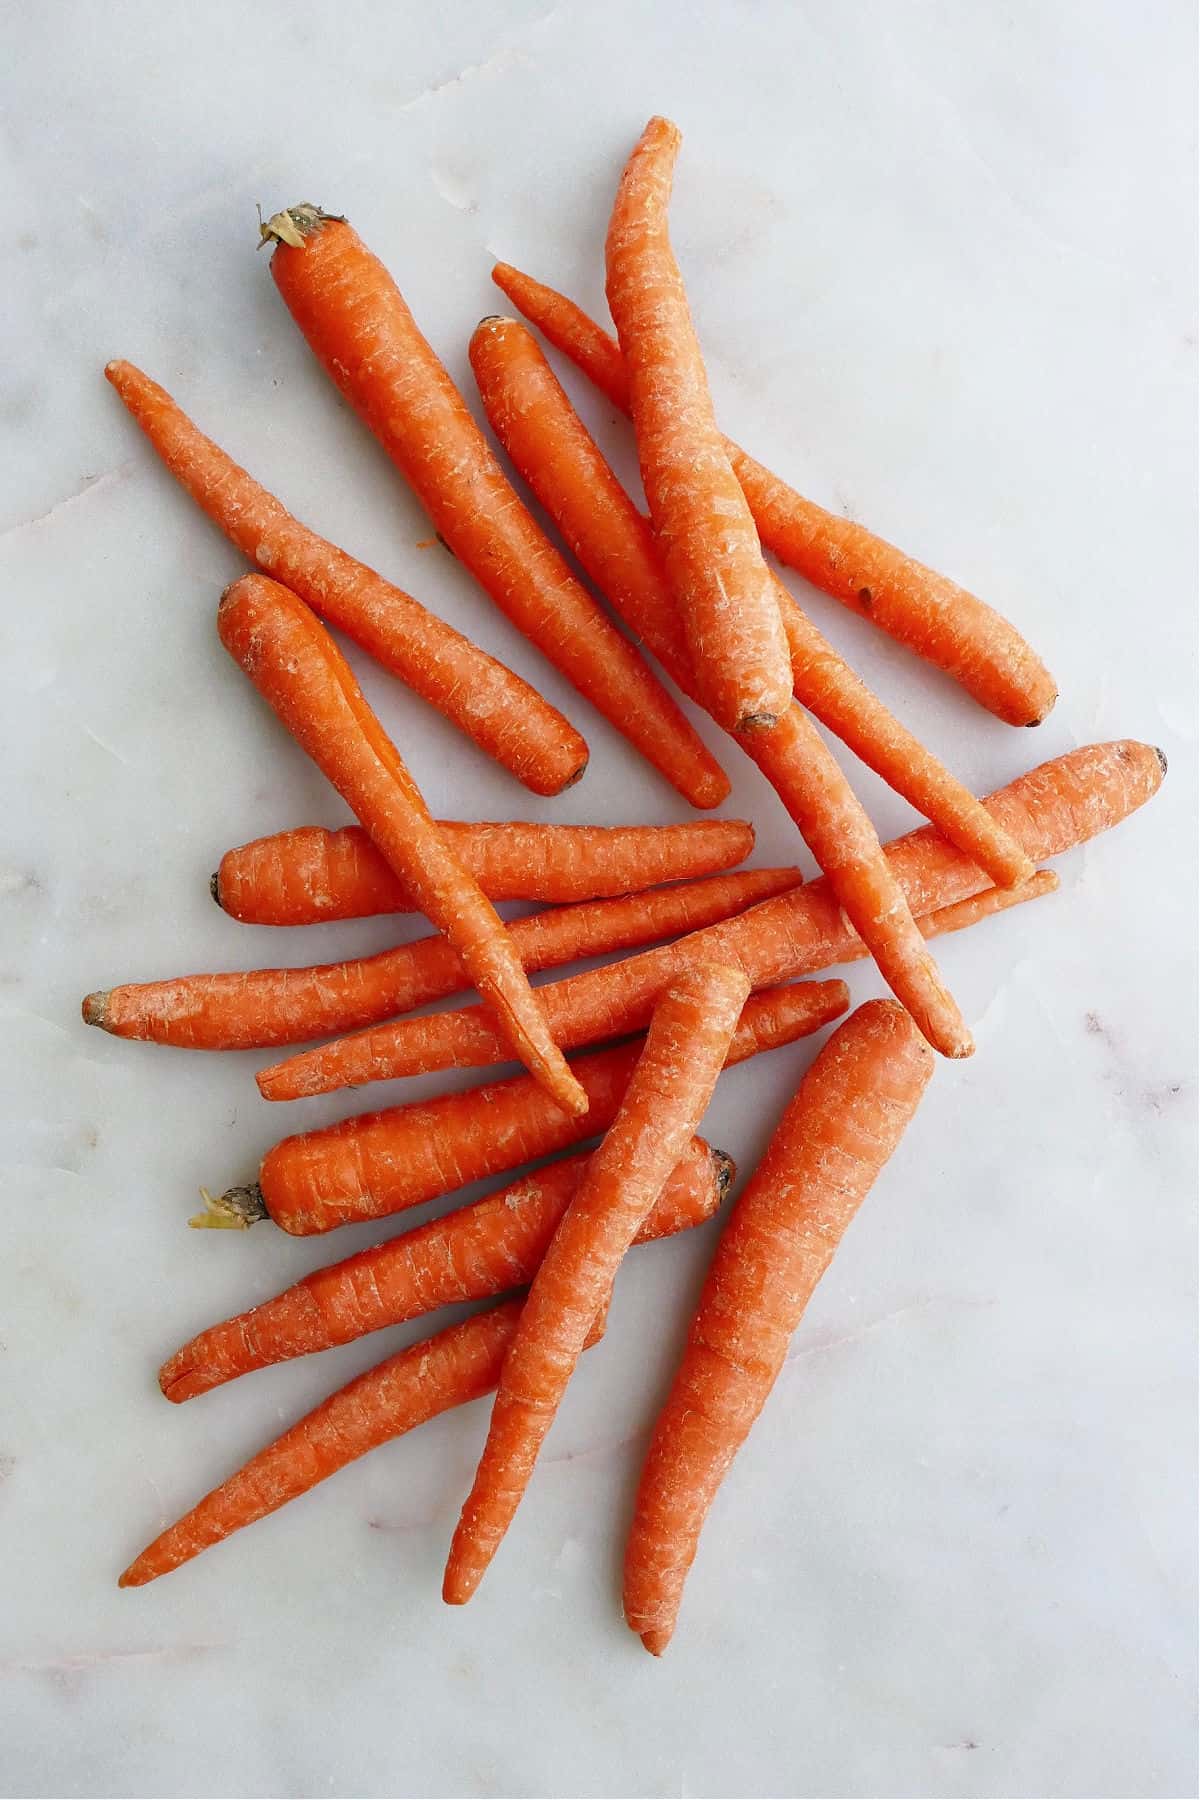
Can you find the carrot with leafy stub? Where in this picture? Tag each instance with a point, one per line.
(713, 559)
(358, 326)
(471, 1253)
(263, 1007)
(553, 451)
(310, 874)
(930, 615)
(506, 717)
(380, 1163)
(668, 1091)
(449, 1369)
(843, 1124)
(303, 676)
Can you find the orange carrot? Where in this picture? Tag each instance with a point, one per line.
(261, 1007)
(668, 1092)
(301, 673)
(383, 1162)
(504, 715)
(304, 876)
(358, 326)
(553, 451)
(931, 616)
(710, 547)
(846, 1118)
(454, 1366)
(1060, 804)
(468, 1254)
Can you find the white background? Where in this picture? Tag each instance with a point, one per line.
(941, 258)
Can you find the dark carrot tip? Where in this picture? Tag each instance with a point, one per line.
(294, 224)
(494, 319)
(724, 1172)
(578, 775)
(759, 721)
(95, 1009)
(1162, 758)
(214, 886)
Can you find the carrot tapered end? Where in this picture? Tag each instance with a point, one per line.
(95, 1009)
(656, 1641)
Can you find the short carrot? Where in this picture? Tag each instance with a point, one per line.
(380, 1163)
(262, 1007)
(932, 616)
(360, 329)
(713, 559)
(301, 673)
(668, 1091)
(471, 1253)
(310, 874)
(843, 1124)
(506, 717)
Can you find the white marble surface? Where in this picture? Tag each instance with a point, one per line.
(941, 256)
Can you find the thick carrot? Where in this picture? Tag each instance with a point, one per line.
(454, 1366)
(468, 1254)
(1056, 806)
(301, 673)
(361, 331)
(668, 1091)
(261, 1007)
(711, 552)
(379, 1163)
(931, 616)
(308, 875)
(504, 715)
(847, 1117)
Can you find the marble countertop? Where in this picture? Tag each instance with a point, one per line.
(941, 259)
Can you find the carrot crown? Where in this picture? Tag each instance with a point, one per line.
(294, 224)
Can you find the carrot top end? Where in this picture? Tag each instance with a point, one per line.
(294, 224)
(235, 1210)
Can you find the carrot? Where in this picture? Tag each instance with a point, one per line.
(244, 1011)
(1063, 803)
(555, 454)
(845, 1120)
(304, 876)
(668, 1092)
(930, 615)
(711, 552)
(459, 1364)
(357, 324)
(301, 673)
(468, 1254)
(506, 717)
(380, 1163)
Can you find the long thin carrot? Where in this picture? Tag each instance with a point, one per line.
(468, 1254)
(506, 717)
(261, 1007)
(459, 1364)
(301, 673)
(379, 1163)
(846, 1119)
(1056, 806)
(357, 324)
(930, 615)
(668, 1092)
(711, 552)
(304, 876)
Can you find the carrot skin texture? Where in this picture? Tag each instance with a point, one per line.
(713, 559)
(845, 1120)
(672, 1084)
(301, 673)
(933, 617)
(360, 329)
(506, 717)
(310, 875)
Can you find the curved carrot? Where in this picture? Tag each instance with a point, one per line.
(931, 616)
(301, 673)
(668, 1091)
(261, 1007)
(357, 324)
(506, 717)
(711, 552)
(471, 1253)
(846, 1119)
(311, 874)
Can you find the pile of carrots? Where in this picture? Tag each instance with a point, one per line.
(690, 586)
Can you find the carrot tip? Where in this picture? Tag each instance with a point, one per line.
(724, 1171)
(758, 721)
(95, 1009)
(656, 1641)
(214, 886)
(235, 1210)
(1162, 758)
